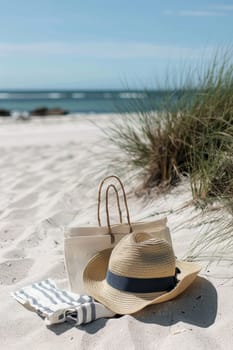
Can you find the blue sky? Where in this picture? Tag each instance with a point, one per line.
(92, 44)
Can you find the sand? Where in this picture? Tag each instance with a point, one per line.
(50, 169)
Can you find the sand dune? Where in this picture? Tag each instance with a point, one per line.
(49, 176)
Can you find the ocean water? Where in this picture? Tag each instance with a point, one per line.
(75, 101)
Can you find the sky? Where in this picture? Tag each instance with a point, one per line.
(106, 44)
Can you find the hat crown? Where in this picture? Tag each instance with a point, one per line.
(140, 255)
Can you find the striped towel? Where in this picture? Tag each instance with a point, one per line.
(56, 305)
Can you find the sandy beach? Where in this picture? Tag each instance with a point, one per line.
(50, 171)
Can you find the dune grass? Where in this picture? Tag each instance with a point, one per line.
(191, 135)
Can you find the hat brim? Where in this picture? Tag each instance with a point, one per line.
(122, 302)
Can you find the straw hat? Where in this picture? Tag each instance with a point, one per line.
(140, 270)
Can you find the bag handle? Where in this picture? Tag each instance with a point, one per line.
(118, 202)
(107, 194)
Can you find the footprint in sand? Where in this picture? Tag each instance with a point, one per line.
(15, 254)
(33, 240)
(12, 271)
(9, 232)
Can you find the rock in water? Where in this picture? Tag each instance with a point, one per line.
(57, 111)
(4, 113)
(41, 111)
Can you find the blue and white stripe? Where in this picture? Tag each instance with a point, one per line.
(56, 305)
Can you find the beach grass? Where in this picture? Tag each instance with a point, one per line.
(191, 134)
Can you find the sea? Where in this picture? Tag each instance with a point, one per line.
(82, 101)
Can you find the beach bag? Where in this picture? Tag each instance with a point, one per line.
(82, 243)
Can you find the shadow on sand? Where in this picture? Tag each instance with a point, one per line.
(196, 306)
